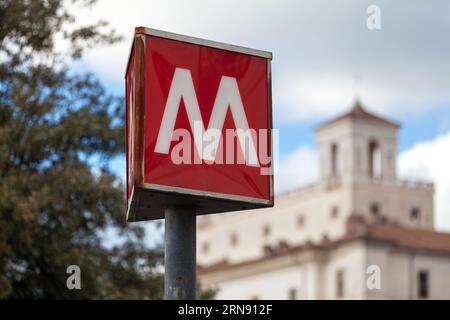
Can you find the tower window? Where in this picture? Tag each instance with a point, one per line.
(234, 239)
(334, 159)
(375, 210)
(266, 230)
(340, 292)
(334, 212)
(423, 287)
(414, 214)
(292, 294)
(205, 247)
(374, 160)
(389, 157)
(301, 221)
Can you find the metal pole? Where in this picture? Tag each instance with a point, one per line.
(180, 253)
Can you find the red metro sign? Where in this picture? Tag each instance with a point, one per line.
(199, 126)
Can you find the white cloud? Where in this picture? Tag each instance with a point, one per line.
(318, 46)
(430, 160)
(303, 96)
(308, 96)
(298, 168)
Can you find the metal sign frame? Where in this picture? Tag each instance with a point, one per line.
(147, 201)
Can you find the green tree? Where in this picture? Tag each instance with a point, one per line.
(54, 203)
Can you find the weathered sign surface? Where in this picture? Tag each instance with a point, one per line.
(199, 124)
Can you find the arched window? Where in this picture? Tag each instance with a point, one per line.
(374, 160)
(300, 221)
(375, 210)
(414, 214)
(266, 230)
(340, 285)
(334, 160)
(234, 239)
(205, 247)
(334, 212)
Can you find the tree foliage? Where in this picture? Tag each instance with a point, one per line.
(55, 204)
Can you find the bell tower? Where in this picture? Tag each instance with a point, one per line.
(357, 146)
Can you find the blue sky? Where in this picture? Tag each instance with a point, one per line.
(319, 46)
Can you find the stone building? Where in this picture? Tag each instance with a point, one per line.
(357, 233)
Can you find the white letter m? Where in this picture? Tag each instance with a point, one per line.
(227, 95)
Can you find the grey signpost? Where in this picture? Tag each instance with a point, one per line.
(180, 253)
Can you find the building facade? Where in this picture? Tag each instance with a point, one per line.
(357, 233)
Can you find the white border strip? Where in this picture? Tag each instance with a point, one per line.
(207, 43)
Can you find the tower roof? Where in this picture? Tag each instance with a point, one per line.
(358, 112)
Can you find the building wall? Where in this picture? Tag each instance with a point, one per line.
(396, 200)
(312, 276)
(399, 273)
(271, 285)
(350, 259)
(305, 215)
